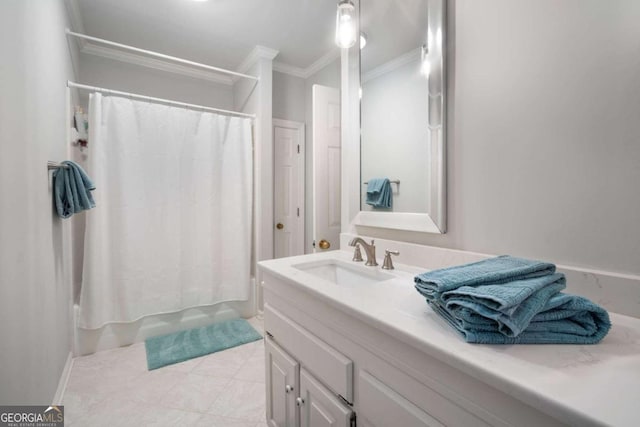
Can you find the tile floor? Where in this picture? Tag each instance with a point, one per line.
(113, 388)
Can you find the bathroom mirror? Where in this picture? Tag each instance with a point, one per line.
(402, 115)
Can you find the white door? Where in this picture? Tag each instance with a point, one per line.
(288, 192)
(282, 386)
(326, 167)
(318, 406)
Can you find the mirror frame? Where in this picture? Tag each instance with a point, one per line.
(435, 220)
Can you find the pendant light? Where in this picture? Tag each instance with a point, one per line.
(346, 24)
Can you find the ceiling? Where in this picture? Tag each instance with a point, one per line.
(224, 32)
(216, 32)
(393, 28)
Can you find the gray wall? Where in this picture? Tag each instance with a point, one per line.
(288, 97)
(112, 74)
(34, 244)
(544, 137)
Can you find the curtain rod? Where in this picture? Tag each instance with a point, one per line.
(160, 100)
(160, 55)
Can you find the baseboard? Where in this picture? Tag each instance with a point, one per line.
(64, 379)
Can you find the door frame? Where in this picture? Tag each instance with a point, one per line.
(301, 179)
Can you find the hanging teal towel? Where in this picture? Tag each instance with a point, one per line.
(379, 194)
(507, 300)
(72, 190)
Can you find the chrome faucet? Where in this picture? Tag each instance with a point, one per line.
(369, 249)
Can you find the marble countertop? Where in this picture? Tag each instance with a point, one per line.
(578, 384)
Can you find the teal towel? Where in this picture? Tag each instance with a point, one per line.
(379, 194)
(72, 190)
(502, 269)
(507, 300)
(565, 319)
(509, 307)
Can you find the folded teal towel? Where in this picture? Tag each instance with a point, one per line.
(493, 271)
(565, 319)
(507, 300)
(509, 307)
(379, 194)
(72, 190)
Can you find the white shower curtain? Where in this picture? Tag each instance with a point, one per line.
(172, 227)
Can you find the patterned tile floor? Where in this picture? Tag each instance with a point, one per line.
(113, 388)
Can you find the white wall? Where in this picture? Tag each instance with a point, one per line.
(543, 151)
(327, 76)
(35, 253)
(288, 97)
(394, 136)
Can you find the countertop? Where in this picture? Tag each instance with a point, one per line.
(578, 384)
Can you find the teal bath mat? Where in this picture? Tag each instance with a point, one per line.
(180, 346)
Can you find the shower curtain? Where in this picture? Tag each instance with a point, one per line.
(172, 227)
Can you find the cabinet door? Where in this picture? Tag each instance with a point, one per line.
(319, 407)
(282, 386)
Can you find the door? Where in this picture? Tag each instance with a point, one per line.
(318, 406)
(326, 167)
(282, 386)
(288, 142)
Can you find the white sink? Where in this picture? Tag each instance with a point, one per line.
(343, 273)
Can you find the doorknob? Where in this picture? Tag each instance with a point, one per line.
(324, 244)
(279, 226)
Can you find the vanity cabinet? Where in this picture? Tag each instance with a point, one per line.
(328, 367)
(294, 397)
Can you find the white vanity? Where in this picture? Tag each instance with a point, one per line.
(347, 344)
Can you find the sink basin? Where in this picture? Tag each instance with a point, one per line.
(342, 273)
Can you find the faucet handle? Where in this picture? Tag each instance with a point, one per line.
(387, 264)
(357, 255)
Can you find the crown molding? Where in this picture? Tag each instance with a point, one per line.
(305, 73)
(258, 52)
(322, 62)
(75, 21)
(281, 67)
(157, 64)
(397, 62)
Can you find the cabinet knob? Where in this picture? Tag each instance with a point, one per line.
(299, 401)
(279, 226)
(288, 388)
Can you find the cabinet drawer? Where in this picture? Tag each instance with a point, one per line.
(381, 405)
(335, 370)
